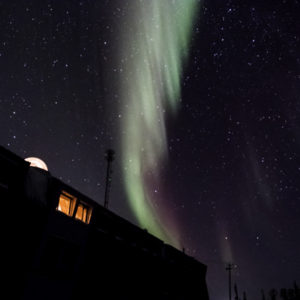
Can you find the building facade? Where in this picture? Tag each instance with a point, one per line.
(59, 244)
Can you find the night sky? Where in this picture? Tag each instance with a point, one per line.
(220, 172)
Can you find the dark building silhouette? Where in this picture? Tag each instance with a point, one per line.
(59, 244)
(286, 293)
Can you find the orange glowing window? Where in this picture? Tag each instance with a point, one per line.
(83, 212)
(66, 203)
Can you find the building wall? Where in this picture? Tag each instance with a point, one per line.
(50, 255)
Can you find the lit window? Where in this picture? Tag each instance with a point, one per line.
(83, 212)
(66, 203)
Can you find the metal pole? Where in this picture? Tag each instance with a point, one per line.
(229, 268)
(109, 157)
(236, 292)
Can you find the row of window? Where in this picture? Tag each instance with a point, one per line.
(73, 207)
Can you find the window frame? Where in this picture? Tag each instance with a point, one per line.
(74, 204)
(88, 208)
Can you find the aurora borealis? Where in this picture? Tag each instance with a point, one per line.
(155, 49)
(199, 100)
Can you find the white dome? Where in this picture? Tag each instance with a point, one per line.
(37, 163)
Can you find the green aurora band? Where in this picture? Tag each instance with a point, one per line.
(155, 46)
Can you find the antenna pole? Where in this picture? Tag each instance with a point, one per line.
(109, 155)
(229, 268)
(236, 292)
